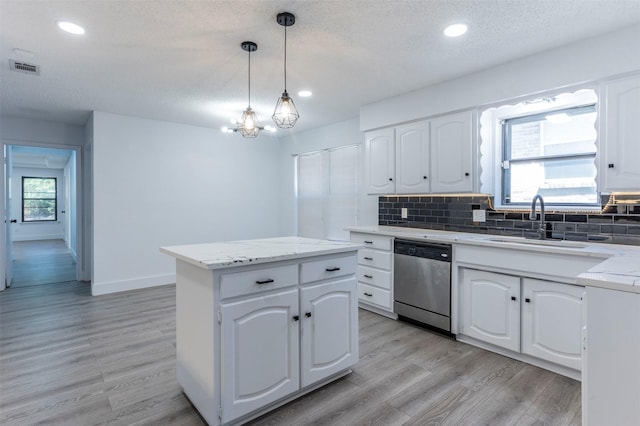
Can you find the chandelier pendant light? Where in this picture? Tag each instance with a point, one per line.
(249, 126)
(285, 115)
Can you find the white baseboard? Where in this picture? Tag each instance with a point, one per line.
(37, 237)
(98, 289)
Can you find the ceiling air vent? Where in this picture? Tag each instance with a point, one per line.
(24, 67)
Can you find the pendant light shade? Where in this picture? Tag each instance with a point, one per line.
(249, 126)
(286, 114)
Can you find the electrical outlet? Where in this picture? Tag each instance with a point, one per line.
(404, 213)
(479, 215)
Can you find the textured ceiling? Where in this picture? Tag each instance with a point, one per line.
(180, 60)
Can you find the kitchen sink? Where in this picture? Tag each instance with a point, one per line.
(546, 243)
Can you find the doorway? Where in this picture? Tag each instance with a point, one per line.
(40, 238)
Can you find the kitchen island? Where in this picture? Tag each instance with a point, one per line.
(261, 322)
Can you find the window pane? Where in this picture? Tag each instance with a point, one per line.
(560, 133)
(38, 199)
(560, 181)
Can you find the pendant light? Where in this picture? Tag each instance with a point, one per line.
(285, 115)
(249, 126)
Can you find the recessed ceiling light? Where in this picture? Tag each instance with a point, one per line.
(70, 27)
(455, 30)
(305, 93)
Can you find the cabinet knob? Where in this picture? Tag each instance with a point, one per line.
(527, 300)
(513, 298)
(308, 315)
(424, 177)
(390, 179)
(368, 294)
(466, 173)
(611, 165)
(296, 317)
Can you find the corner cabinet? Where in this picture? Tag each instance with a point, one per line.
(429, 156)
(250, 338)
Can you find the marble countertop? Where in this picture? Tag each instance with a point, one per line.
(619, 269)
(238, 253)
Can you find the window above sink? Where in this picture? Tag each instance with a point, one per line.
(544, 145)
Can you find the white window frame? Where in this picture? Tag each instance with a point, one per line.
(491, 141)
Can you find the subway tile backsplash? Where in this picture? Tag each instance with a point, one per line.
(618, 224)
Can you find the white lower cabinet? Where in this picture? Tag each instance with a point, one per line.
(491, 308)
(552, 322)
(375, 272)
(538, 318)
(259, 366)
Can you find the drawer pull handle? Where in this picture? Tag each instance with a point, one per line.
(368, 258)
(368, 276)
(264, 281)
(368, 294)
(368, 242)
(296, 318)
(335, 268)
(308, 315)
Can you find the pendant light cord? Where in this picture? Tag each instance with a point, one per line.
(285, 58)
(249, 79)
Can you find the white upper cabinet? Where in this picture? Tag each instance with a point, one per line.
(622, 134)
(380, 165)
(430, 156)
(451, 153)
(412, 158)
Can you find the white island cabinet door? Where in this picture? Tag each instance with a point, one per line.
(329, 318)
(260, 352)
(490, 306)
(552, 322)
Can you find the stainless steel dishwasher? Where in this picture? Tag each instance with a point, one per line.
(422, 282)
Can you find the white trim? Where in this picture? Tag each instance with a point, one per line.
(98, 289)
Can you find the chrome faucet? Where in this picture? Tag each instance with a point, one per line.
(532, 215)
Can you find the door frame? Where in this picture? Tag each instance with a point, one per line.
(80, 214)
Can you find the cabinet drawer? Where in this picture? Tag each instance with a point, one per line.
(374, 295)
(328, 268)
(379, 242)
(374, 258)
(248, 282)
(374, 277)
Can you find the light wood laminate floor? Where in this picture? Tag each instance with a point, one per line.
(42, 262)
(67, 358)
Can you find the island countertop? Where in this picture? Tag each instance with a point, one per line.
(247, 252)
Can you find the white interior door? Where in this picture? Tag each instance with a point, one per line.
(8, 220)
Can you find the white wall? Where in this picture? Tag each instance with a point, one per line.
(338, 134)
(159, 184)
(37, 230)
(581, 62)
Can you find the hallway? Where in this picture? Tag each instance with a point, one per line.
(42, 262)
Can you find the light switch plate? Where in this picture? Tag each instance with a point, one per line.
(479, 215)
(404, 213)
